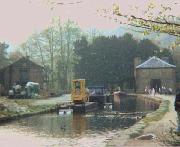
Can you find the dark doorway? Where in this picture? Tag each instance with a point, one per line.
(24, 76)
(156, 84)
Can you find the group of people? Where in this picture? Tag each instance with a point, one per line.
(162, 90)
(149, 91)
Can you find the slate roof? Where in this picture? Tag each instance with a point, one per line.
(155, 62)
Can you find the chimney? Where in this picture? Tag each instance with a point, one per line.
(137, 61)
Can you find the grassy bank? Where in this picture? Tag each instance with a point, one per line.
(11, 109)
(157, 115)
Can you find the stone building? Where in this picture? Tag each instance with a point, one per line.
(155, 73)
(20, 72)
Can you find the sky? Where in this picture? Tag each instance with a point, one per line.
(21, 18)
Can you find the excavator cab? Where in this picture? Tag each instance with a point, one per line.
(79, 93)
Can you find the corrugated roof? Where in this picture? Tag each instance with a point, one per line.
(155, 62)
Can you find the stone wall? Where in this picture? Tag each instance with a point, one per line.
(144, 76)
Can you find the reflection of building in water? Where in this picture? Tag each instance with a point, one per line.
(124, 103)
(127, 103)
(79, 123)
(144, 104)
(116, 101)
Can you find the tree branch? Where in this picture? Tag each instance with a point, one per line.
(157, 22)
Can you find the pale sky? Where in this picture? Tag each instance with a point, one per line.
(21, 18)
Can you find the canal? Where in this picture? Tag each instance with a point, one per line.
(95, 128)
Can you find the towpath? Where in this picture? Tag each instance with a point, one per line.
(160, 128)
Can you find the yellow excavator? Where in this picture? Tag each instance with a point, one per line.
(79, 93)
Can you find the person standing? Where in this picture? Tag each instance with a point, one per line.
(153, 92)
(177, 109)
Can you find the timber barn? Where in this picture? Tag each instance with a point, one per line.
(20, 72)
(155, 73)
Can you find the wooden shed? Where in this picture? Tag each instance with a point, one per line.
(155, 73)
(20, 72)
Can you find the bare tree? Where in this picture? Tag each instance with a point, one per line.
(53, 48)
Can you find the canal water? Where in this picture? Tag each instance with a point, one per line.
(85, 125)
(127, 103)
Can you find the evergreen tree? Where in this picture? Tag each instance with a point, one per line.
(110, 60)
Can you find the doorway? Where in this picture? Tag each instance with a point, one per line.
(156, 84)
(24, 76)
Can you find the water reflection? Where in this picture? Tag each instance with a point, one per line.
(76, 125)
(80, 123)
(127, 103)
(72, 125)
